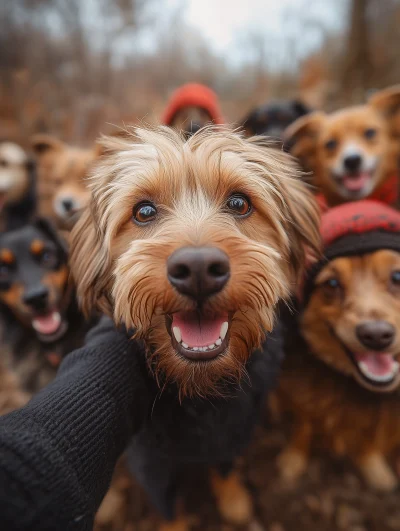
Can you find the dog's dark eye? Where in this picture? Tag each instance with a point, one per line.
(370, 133)
(331, 144)
(396, 277)
(4, 272)
(49, 259)
(332, 283)
(144, 213)
(239, 205)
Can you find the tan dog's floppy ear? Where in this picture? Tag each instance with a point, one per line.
(90, 264)
(303, 215)
(42, 144)
(387, 102)
(301, 139)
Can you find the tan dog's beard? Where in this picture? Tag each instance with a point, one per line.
(204, 378)
(143, 298)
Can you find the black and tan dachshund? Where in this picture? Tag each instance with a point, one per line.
(40, 319)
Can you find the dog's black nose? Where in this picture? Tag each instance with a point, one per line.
(67, 204)
(198, 272)
(352, 162)
(37, 297)
(376, 335)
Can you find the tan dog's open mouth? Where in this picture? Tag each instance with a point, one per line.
(199, 337)
(49, 326)
(379, 368)
(356, 182)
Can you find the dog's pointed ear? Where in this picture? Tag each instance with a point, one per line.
(42, 144)
(387, 102)
(48, 228)
(301, 139)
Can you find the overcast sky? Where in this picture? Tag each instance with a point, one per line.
(226, 23)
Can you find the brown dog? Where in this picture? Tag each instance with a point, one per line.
(192, 243)
(61, 173)
(341, 378)
(352, 153)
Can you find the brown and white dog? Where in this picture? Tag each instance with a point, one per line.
(352, 153)
(341, 377)
(61, 173)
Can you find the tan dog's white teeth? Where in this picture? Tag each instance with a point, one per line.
(224, 330)
(218, 342)
(211, 346)
(184, 345)
(177, 333)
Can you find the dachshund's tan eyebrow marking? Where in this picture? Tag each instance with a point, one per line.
(7, 256)
(37, 246)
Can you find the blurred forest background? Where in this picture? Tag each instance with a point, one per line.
(71, 66)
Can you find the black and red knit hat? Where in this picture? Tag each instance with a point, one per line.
(354, 229)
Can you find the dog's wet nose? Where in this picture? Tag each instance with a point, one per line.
(67, 204)
(352, 162)
(198, 272)
(37, 297)
(376, 335)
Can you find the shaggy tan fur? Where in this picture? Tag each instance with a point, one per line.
(120, 267)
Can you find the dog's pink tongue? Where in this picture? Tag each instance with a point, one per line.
(355, 182)
(378, 364)
(196, 330)
(47, 324)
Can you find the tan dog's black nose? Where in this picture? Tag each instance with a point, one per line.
(376, 335)
(198, 272)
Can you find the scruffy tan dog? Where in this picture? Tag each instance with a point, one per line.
(192, 243)
(61, 173)
(353, 153)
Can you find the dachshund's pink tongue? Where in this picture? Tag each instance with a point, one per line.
(356, 182)
(198, 330)
(377, 366)
(47, 324)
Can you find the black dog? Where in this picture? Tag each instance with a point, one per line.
(273, 118)
(40, 319)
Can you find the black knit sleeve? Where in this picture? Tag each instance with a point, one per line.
(57, 453)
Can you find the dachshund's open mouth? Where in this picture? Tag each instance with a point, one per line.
(199, 337)
(49, 326)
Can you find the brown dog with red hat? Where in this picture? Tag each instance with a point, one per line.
(341, 378)
(191, 107)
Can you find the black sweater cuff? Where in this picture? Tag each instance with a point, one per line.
(57, 454)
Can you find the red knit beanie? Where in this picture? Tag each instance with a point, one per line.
(354, 229)
(193, 95)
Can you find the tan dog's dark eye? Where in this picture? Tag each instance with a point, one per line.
(144, 213)
(396, 277)
(331, 144)
(332, 283)
(239, 205)
(370, 133)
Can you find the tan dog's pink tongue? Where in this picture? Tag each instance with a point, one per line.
(196, 330)
(355, 182)
(378, 364)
